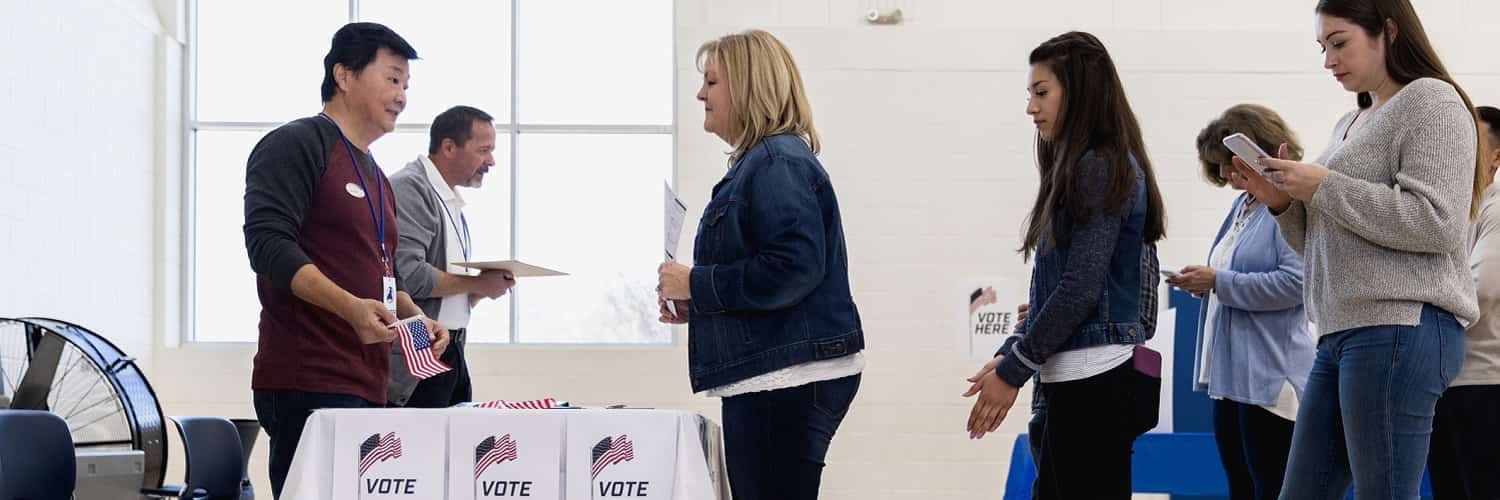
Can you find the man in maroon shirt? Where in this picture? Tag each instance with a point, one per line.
(320, 230)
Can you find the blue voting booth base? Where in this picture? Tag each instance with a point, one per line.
(1184, 463)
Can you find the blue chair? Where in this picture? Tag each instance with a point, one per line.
(214, 458)
(1022, 470)
(36, 456)
(1179, 463)
(1182, 464)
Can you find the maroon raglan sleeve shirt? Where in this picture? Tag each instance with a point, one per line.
(305, 204)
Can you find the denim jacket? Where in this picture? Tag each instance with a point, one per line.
(1095, 286)
(770, 278)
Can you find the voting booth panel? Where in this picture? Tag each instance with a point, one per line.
(628, 454)
(388, 456)
(506, 454)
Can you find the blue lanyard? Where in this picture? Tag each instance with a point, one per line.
(465, 241)
(379, 191)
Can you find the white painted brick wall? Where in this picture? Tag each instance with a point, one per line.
(924, 134)
(76, 162)
(79, 150)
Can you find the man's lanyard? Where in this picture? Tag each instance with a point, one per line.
(465, 242)
(379, 220)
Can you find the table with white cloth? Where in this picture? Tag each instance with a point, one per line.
(478, 453)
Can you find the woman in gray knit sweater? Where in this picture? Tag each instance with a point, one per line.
(1381, 220)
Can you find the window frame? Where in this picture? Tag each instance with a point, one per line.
(511, 129)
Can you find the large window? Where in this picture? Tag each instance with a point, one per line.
(582, 93)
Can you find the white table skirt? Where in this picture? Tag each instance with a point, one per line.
(698, 473)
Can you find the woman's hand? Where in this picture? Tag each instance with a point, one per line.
(672, 281)
(995, 400)
(1261, 187)
(1297, 179)
(987, 369)
(667, 316)
(1196, 280)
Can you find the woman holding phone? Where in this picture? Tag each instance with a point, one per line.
(1381, 221)
(1253, 349)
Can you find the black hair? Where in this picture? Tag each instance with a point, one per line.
(1490, 115)
(354, 47)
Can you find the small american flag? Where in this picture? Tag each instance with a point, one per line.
(417, 347)
(378, 449)
(612, 451)
(535, 404)
(493, 451)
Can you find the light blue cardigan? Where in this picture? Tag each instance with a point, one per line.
(1261, 338)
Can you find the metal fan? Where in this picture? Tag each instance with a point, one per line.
(56, 366)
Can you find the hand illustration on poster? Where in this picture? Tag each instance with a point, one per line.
(992, 315)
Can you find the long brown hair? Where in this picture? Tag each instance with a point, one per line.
(1095, 117)
(1408, 56)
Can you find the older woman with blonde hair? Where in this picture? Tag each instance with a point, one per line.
(772, 327)
(1253, 350)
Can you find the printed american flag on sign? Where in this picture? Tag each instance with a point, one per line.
(417, 347)
(612, 451)
(535, 404)
(493, 451)
(378, 449)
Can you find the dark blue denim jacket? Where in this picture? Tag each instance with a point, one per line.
(770, 279)
(1094, 287)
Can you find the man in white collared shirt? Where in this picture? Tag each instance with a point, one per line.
(434, 234)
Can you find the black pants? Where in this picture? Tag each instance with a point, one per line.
(775, 441)
(282, 415)
(1253, 446)
(1464, 460)
(448, 388)
(1081, 436)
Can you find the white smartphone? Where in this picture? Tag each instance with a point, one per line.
(1247, 150)
(1170, 273)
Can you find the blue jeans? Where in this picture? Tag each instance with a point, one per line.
(1367, 412)
(775, 441)
(282, 415)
